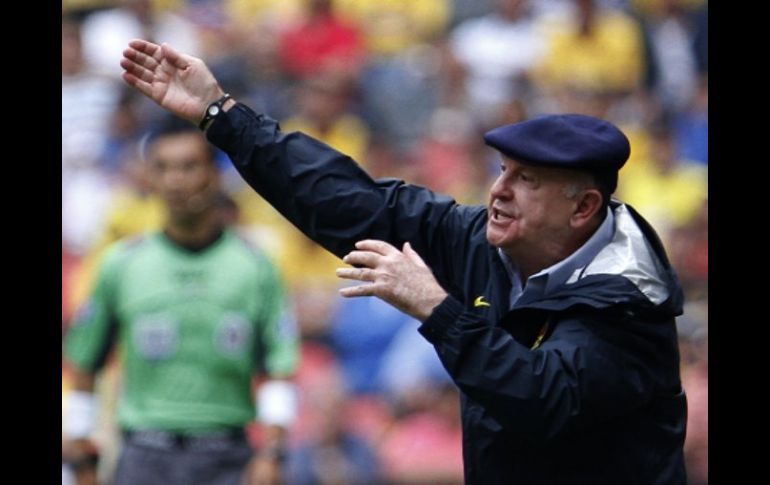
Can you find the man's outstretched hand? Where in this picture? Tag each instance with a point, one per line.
(399, 278)
(180, 83)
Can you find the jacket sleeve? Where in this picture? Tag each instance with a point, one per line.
(584, 373)
(330, 198)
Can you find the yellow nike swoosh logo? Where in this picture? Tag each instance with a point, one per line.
(478, 301)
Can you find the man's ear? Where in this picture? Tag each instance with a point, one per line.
(587, 205)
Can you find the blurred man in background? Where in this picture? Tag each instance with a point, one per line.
(197, 313)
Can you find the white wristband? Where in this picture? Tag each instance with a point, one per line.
(277, 403)
(79, 414)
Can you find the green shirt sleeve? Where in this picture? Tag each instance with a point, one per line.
(280, 336)
(94, 327)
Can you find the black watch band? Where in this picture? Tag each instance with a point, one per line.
(212, 111)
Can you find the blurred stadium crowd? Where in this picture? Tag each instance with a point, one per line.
(406, 87)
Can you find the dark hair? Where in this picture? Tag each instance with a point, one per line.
(170, 125)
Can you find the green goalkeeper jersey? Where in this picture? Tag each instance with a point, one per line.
(192, 329)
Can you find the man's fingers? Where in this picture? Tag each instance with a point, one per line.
(144, 87)
(413, 256)
(137, 71)
(360, 274)
(362, 258)
(374, 245)
(176, 59)
(141, 59)
(360, 290)
(149, 48)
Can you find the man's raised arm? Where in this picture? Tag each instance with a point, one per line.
(321, 191)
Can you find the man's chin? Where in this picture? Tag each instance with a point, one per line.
(185, 217)
(494, 237)
(501, 239)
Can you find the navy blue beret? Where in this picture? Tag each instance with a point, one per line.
(570, 141)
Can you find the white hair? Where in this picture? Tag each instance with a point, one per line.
(578, 183)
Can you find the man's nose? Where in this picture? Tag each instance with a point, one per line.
(499, 189)
(172, 179)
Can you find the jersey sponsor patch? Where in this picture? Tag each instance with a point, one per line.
(233, 334)
(155, 336)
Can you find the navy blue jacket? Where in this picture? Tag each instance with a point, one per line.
(598, 402)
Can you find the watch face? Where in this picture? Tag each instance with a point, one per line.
(213, 110)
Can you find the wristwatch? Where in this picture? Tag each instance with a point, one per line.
(213, 110)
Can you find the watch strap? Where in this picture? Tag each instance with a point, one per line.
(212, 111)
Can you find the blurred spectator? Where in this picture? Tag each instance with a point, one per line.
(125, 131)
(276, 13)
(398, 84)
(130, 210)
(463, 10)
(88, 100)
(443, 157)
(497, 51)
(324, 111)
(591, 49)
(672, 65)
(392, 26)
(667, 191)
(251, 67)
(360, 333)
(399, 95)
(330, 453)
(701, 38)
(690, 254)
(425, 447)
(410, 368)
(85, 195)
(691, 126)
(107, 32)
(314, 304)
(321, 42)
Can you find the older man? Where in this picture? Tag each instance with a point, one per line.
(552, 308)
